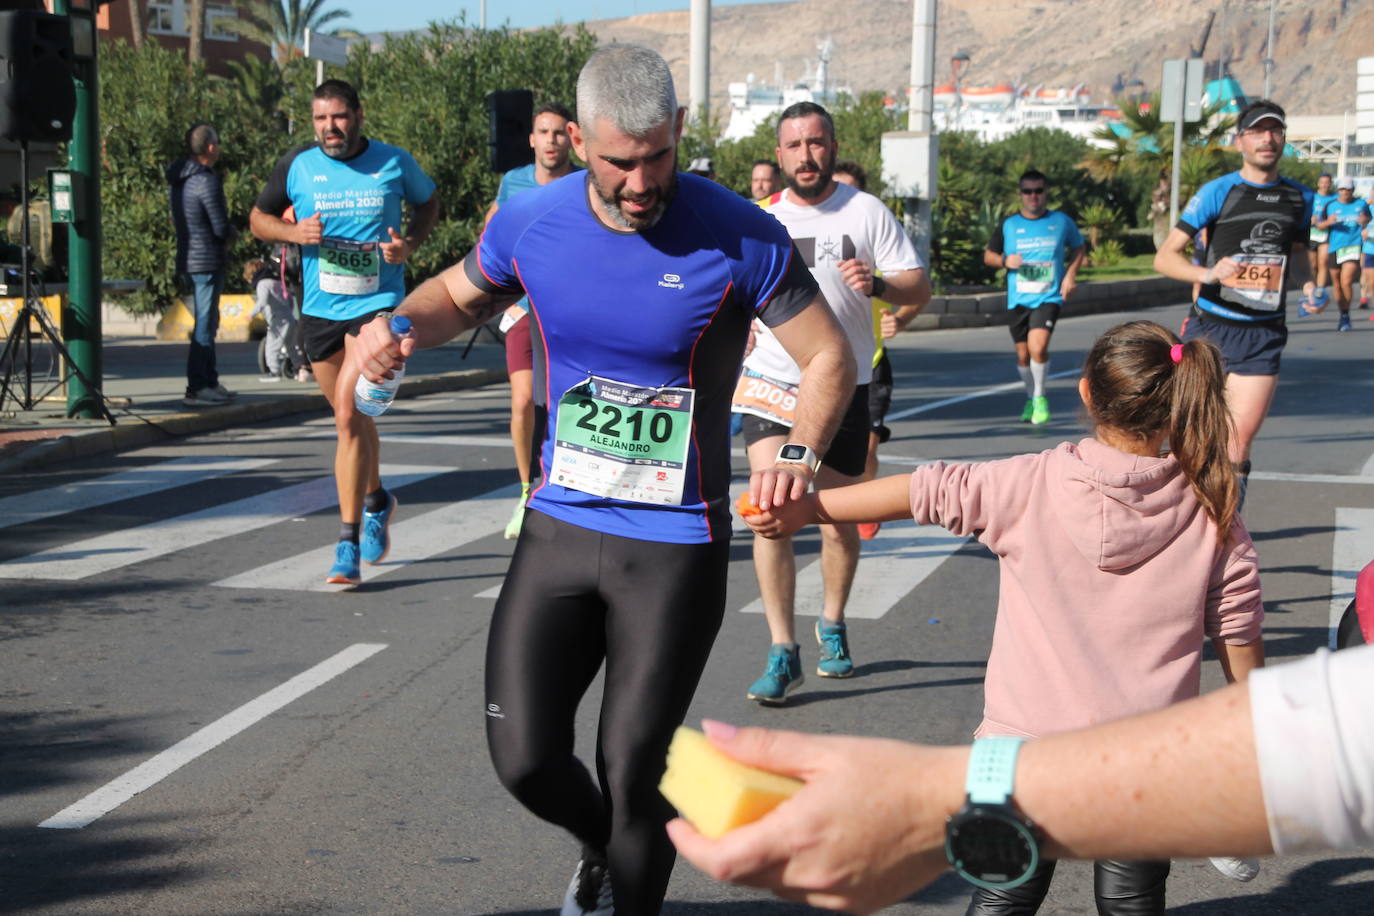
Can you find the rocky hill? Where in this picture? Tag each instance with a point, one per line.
(1061, 43)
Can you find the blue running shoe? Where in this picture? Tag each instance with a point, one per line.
(345, 571)
(1344, 323)
(376, 541)
(782, 676)
(835, 660)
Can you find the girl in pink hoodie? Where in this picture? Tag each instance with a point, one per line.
(1115, 563)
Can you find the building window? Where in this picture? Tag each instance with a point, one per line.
(162, 17)
(215, 16)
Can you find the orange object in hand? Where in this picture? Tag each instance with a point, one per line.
(746, 506)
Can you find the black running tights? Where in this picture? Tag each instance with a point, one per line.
(574, 597)
(1121, 889)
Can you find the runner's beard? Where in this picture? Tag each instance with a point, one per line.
(610, 205)
(823, 178)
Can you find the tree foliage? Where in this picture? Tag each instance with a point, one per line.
(425, 93)
(281, 24)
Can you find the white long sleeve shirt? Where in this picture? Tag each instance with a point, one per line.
(1314, 737)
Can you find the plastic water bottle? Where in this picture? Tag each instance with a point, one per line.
(373, 398)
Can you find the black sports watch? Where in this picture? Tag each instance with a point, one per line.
(989, 841)
(795, 453)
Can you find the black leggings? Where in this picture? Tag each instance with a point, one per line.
(572, 598)
(1121, 889)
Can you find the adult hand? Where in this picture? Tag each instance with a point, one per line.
(376, 353)
(1012, 261)
(309, 231)
(782, 519)
(776, 485)
(865, 831)
(857, 275)
(1224, 269)
(397, 250)
(887, 325)
(1067, 287)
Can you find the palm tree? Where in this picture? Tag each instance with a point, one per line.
(196, 13)
(281, 24)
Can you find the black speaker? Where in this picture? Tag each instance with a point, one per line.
(37, 96)
(512, 118)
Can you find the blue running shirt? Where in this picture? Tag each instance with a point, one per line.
(1346, 233)
(1318, 202)
(1043, 245)
(1257, 225)
(666, 308)
(357, 199)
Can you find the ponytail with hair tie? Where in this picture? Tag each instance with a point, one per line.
(1176, 353)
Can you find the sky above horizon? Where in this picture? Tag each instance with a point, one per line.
(388, 15)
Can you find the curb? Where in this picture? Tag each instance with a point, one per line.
(119, 438)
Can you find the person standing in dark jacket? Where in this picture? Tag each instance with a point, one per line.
(203, 236)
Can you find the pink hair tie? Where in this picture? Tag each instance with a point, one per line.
(1176, 353)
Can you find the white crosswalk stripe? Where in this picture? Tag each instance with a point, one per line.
(49, 502)
(413, 538)
(890, 566)
(106, 552)
(1351, 549)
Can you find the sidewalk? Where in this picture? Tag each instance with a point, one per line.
(146, 379)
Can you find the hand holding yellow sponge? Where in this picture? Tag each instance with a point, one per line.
(713, 792)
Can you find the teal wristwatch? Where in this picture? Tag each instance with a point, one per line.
(989, 841)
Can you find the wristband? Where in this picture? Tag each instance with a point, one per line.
(879, 286)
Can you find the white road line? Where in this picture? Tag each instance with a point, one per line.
(1368, 469)
(1284, 477)
(152, 771)
(423, 439)
(981, 393)
(412, 538)
(1351, 549)
(890, 566)
(126, 546)
(88, 494)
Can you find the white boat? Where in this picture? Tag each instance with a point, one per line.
(752, 102)
(993, 113)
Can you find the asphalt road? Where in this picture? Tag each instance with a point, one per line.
(237, 739)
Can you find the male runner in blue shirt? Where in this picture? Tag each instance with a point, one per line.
(1344, 218)
(1041, 250)
(1257, 228)
(552, 159)
(346, 191)
(642, 283)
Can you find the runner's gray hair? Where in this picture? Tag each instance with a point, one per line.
(628, 85)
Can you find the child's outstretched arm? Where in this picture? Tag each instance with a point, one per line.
(883, 500)
(1239, 661)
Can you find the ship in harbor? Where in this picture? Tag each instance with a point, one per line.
(753, 102)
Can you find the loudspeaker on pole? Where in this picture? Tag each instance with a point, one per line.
(512, 116)
(37, 95)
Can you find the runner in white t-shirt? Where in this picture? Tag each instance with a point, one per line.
(845, 236)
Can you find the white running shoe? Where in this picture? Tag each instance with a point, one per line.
(1236, 869)
(589, 892)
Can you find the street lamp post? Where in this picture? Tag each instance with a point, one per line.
(958, 63)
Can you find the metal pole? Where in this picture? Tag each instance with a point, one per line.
(1173, 181)
(319, 72)
(1269, 52)
(921, 97)
(81, 318)
(1345, 146)
(482, 17)
(701, 59)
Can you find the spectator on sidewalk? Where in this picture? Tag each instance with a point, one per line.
(203, 237)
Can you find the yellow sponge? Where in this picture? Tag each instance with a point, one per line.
(713, 792)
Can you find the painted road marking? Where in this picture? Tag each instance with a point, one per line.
(412, 539)
(152, 771)
(88, 494)
(890, 566)
(1351, 549)
(980, 393)
(126, 546)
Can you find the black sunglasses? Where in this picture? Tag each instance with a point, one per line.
(1040, 190)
